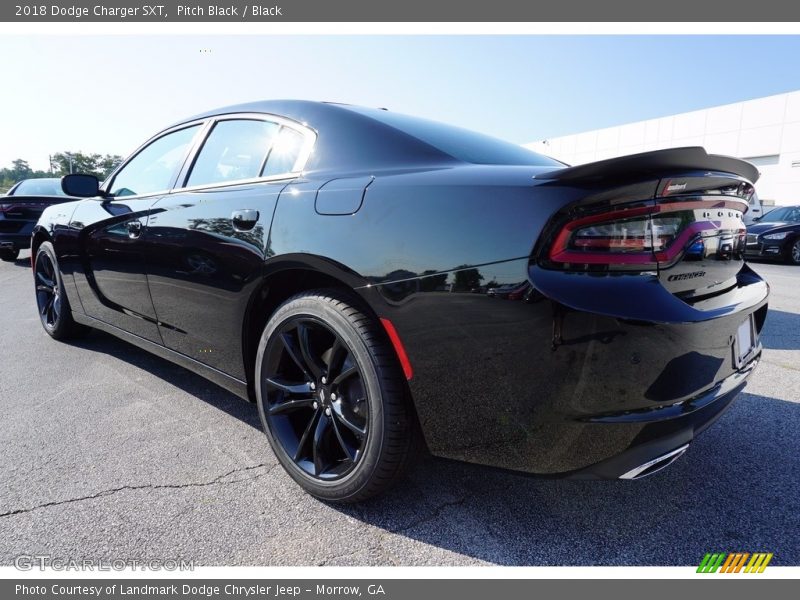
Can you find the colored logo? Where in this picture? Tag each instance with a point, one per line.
(735, 562)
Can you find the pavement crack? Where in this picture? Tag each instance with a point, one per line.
(150, 486)
(434, 514)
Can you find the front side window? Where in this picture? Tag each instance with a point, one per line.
(153, 168)
(235, 150)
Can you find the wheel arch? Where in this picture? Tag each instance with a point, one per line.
(283, 278)
(38, 237)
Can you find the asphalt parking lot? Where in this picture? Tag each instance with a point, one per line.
(109, 452)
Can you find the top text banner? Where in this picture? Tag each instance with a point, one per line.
(464, 11)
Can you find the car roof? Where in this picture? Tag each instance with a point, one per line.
(354, 138)
(347, 140)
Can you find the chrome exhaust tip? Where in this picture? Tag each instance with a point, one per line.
(655, 465)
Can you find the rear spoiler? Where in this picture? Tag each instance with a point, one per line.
(693, 158)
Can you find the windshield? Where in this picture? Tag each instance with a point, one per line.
(39, 187)
(461, 144)
(787, 214)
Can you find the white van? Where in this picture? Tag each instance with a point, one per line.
(754, 210)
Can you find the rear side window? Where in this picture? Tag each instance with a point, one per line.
(284, 152)
(154, 167)
(234, 150)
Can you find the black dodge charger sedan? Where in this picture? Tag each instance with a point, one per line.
(321, 260)
(776, 235)
(20, 208)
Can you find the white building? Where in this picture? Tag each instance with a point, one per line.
(765, 131)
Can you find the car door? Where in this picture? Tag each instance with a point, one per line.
(111, 278)
(208, 240)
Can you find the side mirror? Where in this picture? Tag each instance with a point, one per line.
(756, 219)
(81, 186)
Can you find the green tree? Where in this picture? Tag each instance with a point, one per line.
(20, 169)
(62, 163)
(467, 279)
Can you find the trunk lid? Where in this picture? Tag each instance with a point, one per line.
(676, 212)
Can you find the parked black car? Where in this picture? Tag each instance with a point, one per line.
(20, 208)
(776, 235)
(318, 259)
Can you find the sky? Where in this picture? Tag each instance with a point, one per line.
(107, 94)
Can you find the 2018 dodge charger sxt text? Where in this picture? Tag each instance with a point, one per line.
(320, 259)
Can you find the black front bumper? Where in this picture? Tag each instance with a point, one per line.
(766, 250)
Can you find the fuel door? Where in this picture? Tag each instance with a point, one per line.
(342, 196)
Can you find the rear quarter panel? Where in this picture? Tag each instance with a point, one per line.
(410, 224)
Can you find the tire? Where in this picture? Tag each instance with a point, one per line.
(9, 255)
(332, 398)
(51, 299)
(793, 252)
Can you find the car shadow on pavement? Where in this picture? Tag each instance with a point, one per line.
(189, 382)
(781, 330)
(22, 261)
(737, 489)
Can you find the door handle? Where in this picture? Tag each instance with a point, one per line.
(134, 228)
(245, 219)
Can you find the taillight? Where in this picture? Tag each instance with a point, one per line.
(644, 236)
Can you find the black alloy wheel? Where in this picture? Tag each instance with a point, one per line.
(48, 296)
(332, 398)
(51, 300)
(316, 403)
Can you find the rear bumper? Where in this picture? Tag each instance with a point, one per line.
(14, 242)
(662, 441)
(587, 377)
(19, 238)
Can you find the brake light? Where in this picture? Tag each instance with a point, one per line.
(641, 236)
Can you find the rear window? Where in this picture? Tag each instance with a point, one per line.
(39, 187)
(461, 144)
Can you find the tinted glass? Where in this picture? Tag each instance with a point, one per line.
(461, 144)
(153, 169)
(284, 152)
(234, 150)
(788, 214)
(39, 187)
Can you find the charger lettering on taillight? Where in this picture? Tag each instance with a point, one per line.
(643, 236)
